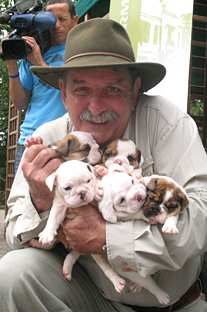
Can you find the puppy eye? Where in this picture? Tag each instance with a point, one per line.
(89, 181)
(109, 154)
(86, 149)
(130, 158)
(122, 200)
(68, 188)
(132, 181)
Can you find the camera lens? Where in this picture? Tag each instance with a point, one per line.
(15, 49)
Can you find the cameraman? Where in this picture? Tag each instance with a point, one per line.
(42, 102)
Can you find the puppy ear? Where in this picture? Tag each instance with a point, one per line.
(151, 186)
(183, 200)
(51, 180)
(64, 147)
(105, 206)
(67, 144)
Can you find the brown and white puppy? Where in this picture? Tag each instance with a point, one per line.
(123, 152)
(165, 200)
(75, 145)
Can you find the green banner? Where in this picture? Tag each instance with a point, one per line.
(160, 31)
(127, 13)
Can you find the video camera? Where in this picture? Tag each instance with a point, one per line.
(28, 19)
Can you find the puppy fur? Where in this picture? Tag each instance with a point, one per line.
(122, 148)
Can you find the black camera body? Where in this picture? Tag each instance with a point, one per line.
(35, 24)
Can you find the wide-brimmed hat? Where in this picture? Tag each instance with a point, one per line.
(100, 42)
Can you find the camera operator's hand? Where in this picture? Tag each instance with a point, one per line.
(35, 57)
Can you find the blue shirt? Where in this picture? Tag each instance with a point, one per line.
(46, 102)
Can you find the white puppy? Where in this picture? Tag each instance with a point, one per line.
(75, 186)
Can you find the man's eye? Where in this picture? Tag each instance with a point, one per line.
(112, 91)
(81, 91)
(68, 188)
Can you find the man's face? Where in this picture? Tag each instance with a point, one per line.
(100, 101)
(64, 22)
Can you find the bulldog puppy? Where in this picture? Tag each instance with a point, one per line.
(75, 145)
(123, 195)
(164, 202)
(119, 148)
(75, 183)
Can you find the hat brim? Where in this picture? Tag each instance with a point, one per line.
(151, 73)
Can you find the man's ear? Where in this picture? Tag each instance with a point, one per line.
(137, 86)
(75, 20)
(63, 91)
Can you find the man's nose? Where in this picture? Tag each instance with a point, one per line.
(96, 103)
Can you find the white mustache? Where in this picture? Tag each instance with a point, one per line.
(100, 118)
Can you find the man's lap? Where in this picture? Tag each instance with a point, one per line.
(34, 278)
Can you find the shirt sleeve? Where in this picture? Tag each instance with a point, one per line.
(177, 152)
(26, 75)
(23, 222)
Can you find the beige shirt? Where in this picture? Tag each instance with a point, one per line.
(170, 144)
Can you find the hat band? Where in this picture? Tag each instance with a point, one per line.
(99, 53)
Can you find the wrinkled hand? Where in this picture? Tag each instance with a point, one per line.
(86, 233)
(38, 163)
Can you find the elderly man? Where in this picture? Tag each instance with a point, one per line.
(103, 90)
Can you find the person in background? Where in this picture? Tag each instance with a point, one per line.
(104, 92)
(41, 102)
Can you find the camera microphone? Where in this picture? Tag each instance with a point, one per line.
(4, 18)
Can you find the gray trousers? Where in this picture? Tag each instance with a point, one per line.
(31, 280)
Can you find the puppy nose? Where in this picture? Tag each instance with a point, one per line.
(118, 161)
(82, 195)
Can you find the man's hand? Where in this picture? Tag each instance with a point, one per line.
(35, 56)
(86, 233)
(38, 163)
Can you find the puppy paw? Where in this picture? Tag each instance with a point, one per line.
(119, 285)
(46, 237)
(67, 275)
(102, 171)
(163, 297)
(135, 288)
(170, 230)
(32, 141)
